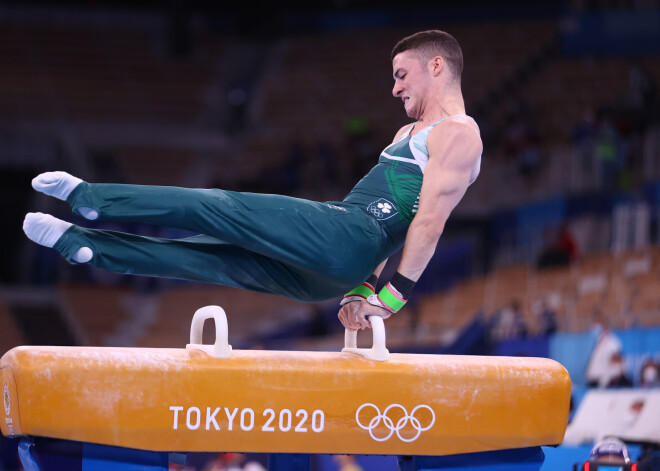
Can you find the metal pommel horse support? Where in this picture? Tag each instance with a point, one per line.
(98, 409)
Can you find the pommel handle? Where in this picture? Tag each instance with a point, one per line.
(378, 351)
(221, 348)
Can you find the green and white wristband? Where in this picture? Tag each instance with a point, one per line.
(388, 298)
(359, 293)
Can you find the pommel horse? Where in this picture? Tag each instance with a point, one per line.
(136, 408)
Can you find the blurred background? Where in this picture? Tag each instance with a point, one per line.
(553, 248)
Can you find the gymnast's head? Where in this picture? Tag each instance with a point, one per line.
(425, 61)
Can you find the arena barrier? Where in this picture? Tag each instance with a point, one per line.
(132, 408)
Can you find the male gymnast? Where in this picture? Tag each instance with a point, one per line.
(300, 249)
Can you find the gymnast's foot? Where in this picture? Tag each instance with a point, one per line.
(60, 185)
(46, 230)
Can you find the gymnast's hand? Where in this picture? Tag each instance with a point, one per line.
(366, 309)
(347, 315)
(353, 316)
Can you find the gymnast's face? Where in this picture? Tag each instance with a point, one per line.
(412, 82)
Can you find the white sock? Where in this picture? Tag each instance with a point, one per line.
(56, 184)
(46, 230)
(60, 185)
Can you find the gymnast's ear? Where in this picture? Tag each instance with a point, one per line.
(435, 65)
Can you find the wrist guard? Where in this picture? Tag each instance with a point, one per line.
(360, 293)
(388, 298)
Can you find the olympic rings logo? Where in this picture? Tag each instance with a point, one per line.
(401, 422)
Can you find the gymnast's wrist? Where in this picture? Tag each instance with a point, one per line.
(394, 295)
(362, 292)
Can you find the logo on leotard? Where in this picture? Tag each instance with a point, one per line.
(395, 419)
(332, 206)
(382, 209)
(7, 400)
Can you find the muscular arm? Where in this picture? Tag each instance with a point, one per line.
(454, 147)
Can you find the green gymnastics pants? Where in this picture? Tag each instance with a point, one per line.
(296, 248)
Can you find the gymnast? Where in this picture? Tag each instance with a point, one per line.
(301, 249)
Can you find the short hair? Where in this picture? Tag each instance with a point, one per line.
(431, 43)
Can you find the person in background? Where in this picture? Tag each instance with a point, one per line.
(567, 244)
(561, 248)
(508, 323)
(650, 376)
(617, 377)
(607, 344)
(547, 319)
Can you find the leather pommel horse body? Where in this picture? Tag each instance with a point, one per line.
(209, 398)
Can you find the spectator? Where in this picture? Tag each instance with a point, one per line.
(566, 243)
(616, 377)
(650, 376)
(521, 139)
(561, 248)
(607, 344)
(519, 319)
(547, 319)
(609, 154)
(509, 322)
(584, 135)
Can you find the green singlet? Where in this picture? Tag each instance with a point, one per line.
(297, 248)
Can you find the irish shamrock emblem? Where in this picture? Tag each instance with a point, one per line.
(382, 209)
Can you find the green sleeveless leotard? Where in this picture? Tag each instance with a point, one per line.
(301, 249)
(390, 191)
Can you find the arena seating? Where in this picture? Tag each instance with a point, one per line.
(322, 78)
(625, 287)
(9, 334)
(154, 165)
(308, 86)
(581, 85)
(313, 81)
(177, 305)
(575, 293)
(84, 75)
(87, 73)
(96, 311)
